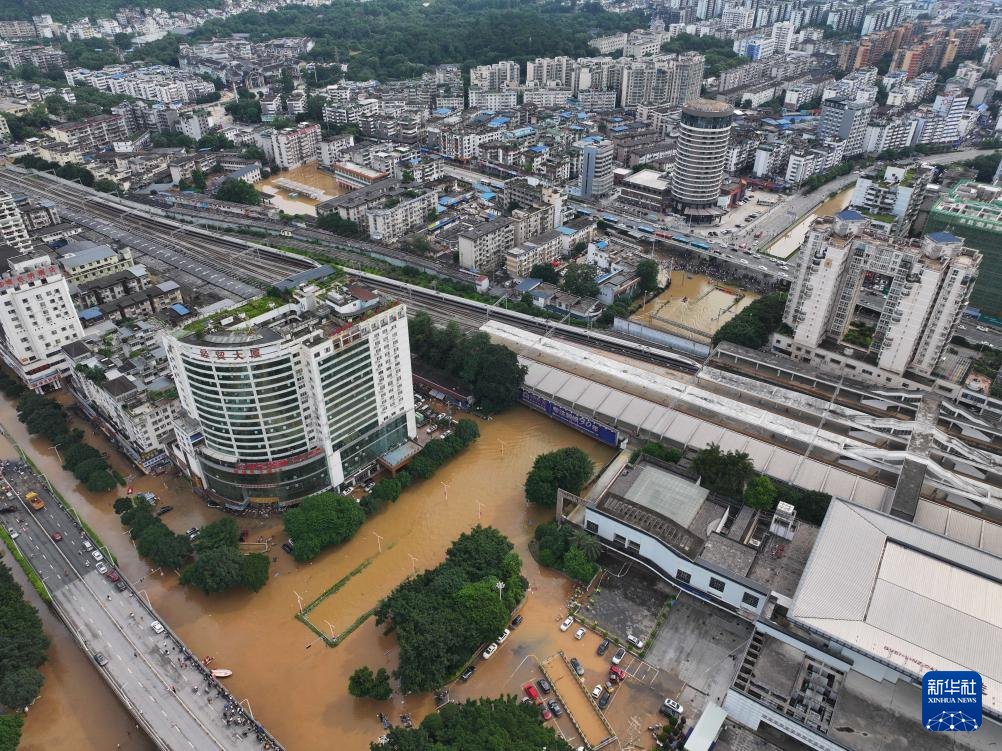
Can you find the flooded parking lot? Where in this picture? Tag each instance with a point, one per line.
(296, 686)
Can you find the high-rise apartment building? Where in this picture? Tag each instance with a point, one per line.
(495, 77)
(13, 233)
(295, 146)
(891, 199)
(879, 299)
(666, 79)
(296, 400)
(595, 166)
(846, 119)
(701, 156)
(37, 319)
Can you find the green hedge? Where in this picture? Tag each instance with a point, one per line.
(34, 578)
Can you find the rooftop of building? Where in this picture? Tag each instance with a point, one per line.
(77, 253)
(904, 594)
(648, 178)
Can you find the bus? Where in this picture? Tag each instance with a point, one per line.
(700, 245)
(610, 219)
(646, 230)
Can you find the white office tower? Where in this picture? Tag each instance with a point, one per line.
(866, 295)
(295, 400)
(12, 229)
(38, 319)
(701, 155)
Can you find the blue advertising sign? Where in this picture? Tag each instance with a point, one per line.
(569, 417)
(951, 700)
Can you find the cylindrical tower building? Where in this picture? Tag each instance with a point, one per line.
(701, 155)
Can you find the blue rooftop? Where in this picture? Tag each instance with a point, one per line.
(602, 244)
(441, 111)
(497, 122)
(180, 309)
(850, 215)
(539, 149)
(565, 230)
(943, 237)
(528, 284)
(90, 314)
(487, 195)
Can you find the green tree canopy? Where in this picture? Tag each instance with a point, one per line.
(724, 472)
(546, 272)
(760, 493)
(754, 325)
(579, 279)
(363, 683)
(567, 469)
(647, 270)
(215, 570)
(493, 724)
(238, 191)
(320, 522)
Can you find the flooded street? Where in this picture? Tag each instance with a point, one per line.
(694, 305)
(290, 189)
(790, 243)
(296, 686)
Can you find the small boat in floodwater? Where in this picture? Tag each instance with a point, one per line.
(222, 673)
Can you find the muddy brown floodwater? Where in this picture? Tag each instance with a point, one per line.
(694, 304)
(790, 243)
(296, 686)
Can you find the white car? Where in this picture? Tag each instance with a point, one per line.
(158, 627)
(568, 622)
(13, 533)
(489, 652)
(597, 691)
(101, 568)
(501, 639)
(96, 555)
(638, 643)
(579, 634)
(671, 707)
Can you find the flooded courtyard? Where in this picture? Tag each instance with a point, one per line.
(296, 686)
(300, 189)
(694, 306)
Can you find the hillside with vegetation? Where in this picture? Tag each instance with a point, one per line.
(71, 10)
(395, 39)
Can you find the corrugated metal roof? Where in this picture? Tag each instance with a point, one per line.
(908, 596)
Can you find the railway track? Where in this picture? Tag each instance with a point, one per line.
(254, 265)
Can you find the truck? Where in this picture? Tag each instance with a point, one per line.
(35, 500)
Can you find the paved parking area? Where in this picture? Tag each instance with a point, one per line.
(700, 644)
(629, 601)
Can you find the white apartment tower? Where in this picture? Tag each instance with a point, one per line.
(495, 77)
(37, 319)
(295, 400)
(12, 230)
(595, 166)
(295, 146)
(893, 300)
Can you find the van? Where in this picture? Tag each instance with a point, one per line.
(671, 708)
(87, 546)
(157, 627)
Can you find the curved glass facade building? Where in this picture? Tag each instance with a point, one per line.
(701, 156)
(296, 400)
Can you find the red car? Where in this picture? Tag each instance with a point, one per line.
(532, 693)
(547, 714)
(112, 575)
(616, 674)
(56, 536)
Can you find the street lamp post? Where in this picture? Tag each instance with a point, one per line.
(500, 589)
(379, 542)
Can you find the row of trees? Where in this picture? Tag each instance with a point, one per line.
(153, 539)
(719, 53)
(218, 566)
(322, 521)
(333, 222)
(45, 417)
(443, 615)
(69, 172)
(503, 723)
(568, 548)
(753, 326)
(491, 370)
(23, 645)
(566, 469)
(238, 191)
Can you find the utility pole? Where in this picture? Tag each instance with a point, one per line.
(379, 541)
